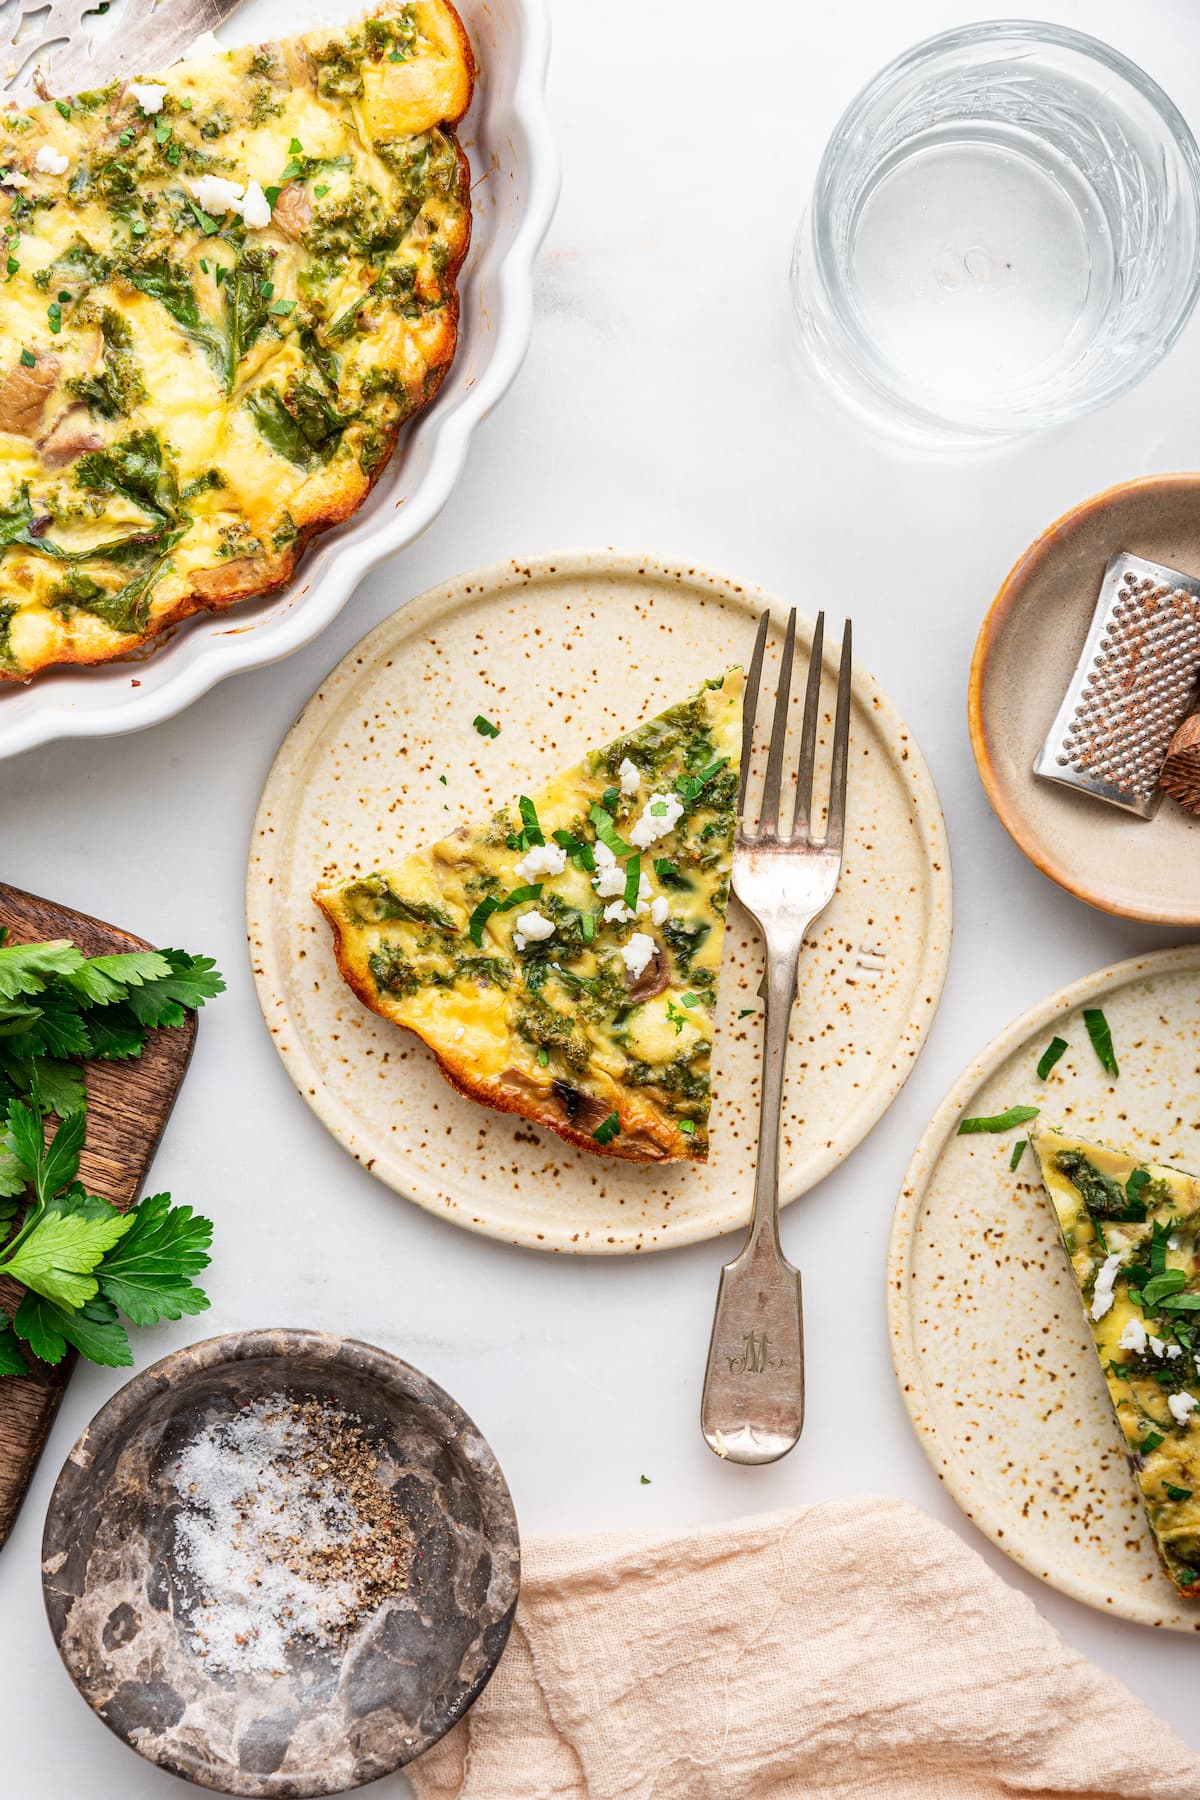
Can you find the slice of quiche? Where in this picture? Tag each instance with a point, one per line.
(561, 961)
(1132, 1230)
(226, 287)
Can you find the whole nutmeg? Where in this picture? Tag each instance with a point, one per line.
(1180, 776)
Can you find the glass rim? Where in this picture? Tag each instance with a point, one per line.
(876, 369)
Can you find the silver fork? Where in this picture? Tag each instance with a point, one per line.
(753, 1405)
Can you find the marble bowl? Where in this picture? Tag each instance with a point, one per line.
(338, 1717)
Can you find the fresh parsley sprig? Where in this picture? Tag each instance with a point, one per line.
(80, 1259)
(82, 1262)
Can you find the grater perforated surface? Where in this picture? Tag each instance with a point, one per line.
(1134, 683)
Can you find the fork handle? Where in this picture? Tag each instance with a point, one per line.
(753, 1405)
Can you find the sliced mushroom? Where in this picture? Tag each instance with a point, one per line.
(293, 211)
(24, 393)
(70, 435)
(520, 1086)
(584, 1110)
(654, 979)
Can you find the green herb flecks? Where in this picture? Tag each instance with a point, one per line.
(484, 727)
(607, 1129)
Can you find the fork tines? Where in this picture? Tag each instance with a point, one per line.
(769, 828)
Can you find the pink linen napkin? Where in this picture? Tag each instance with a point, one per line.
(857, 1649)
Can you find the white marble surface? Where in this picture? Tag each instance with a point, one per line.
(658, 409)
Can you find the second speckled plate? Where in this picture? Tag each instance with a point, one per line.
(565, 653)
(992, 1352)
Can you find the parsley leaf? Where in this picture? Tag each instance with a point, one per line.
(633, 881)
(148, 1274)
(1101, 1036)
(484, 727)
(1018, 1152)
(93, 1330)
(192, 981)
(529, 819)
(690, 787)
(492, 904)
(607, 835)
(11, 1360)
(1176, 1493)
(607, 1129)
(58, 1255)
(1016, 1115)
(1050, 1055)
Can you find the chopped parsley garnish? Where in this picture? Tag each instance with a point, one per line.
(208, 225)
(1133, 1188)
(543, 1057)
(443, 780)
(1150, 1442)
(492, 904)
(320, 190)
(13, 265)
(54, 315)
(281, 308)
(677, 1019)
(1176, 1493)
(265, 288)
(62, 109)
(1159, 1286)
(1101, 1036)
(690, 787)
(529, 819)
(1005, 1121)
(29, 359)
(587, 926)
(295, 147)
(1050, 1056)
(633, 881)
(484, 727)
(272, 194)
(747, 1012)
(1018, 1152)
(688, 1127)
(580, 853)
(645, 1479)
(607, 1129)
(610, 799)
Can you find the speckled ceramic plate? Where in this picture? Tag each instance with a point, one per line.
(121, 1599)
(992, 1352)
(1024, 659)
(565, 653)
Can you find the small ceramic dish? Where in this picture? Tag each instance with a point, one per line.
(121, 1600)
(1024, 659)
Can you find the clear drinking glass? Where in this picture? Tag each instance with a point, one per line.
(1004, 233)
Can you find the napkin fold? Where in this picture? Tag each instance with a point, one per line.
(852, 1649)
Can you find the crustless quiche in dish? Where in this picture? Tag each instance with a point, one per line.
(222, 291)
(1132, 1231)
(561, 960)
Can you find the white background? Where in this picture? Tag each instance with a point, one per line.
(660, 409)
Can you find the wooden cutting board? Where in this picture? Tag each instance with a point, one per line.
(128, 1105)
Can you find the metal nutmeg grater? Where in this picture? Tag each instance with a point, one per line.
(1133, 685)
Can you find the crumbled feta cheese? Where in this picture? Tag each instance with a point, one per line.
(518, 941)
(1102, 1293)
(50, 161)
(618, 911)
(255, 208)
(659, 908)
(205, 45)
(629, 776)
(1156, 1344)
(541, 859)
(534, 928)
(149, 95)
(609, 878)
(13, 178)
(216, 194)
(1133, 1337)
(662, 814)
(637, 953)
(1174, 1350)
(1182, 1407)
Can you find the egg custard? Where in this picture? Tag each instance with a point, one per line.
(222, 291)
(561, 961)
(1132, 1231)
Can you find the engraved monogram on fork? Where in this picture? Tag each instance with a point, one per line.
(756, 1356)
